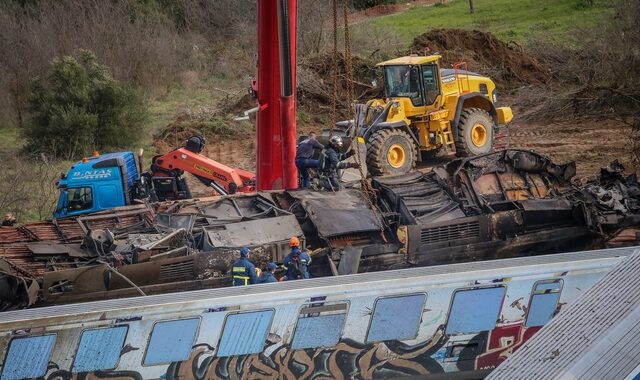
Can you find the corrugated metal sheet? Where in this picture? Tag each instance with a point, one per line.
(14, 240)
(596, 337)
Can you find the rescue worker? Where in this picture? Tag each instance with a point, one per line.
(243, 270)
(269, 274)
(304, 157)
(9, 220)
(400, 83)
(331, 161)
(297, 262)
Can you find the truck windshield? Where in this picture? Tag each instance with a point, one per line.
(79, 198)
(403, 82)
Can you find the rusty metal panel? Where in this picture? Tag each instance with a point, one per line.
(254, 232)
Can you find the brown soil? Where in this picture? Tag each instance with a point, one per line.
(507, 64)
(387, 9)
(591, 143)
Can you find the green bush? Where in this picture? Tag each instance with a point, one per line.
(80, 108)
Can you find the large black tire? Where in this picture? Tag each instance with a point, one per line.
(475, 133)
(391, 152)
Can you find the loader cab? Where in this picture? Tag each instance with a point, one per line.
(415, 78)
(97, 183)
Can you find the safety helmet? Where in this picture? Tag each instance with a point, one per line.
(271, 266)
(336, 141)
(244, 252)
(294, 242)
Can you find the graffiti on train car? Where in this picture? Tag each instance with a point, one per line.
(347, 358)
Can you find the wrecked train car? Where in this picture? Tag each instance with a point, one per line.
(503, 204)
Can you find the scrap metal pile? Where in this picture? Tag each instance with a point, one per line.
(503, 204)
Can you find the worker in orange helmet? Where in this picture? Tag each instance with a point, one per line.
(297, 262)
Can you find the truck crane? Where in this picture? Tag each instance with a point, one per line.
(103, 182)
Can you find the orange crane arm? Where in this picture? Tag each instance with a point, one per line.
(231, 179)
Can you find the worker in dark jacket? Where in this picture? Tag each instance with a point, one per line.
(244, 272)
(304, 157)
(331, 161)
(269, 274)
(297, 262)
(9, 220)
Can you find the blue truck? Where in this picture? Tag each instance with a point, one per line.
(103, 182)
(98, 183)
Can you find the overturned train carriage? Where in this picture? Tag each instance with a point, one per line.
(458, 321)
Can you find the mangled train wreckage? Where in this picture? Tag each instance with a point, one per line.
(504, 204)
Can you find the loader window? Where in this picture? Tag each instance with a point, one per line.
(403, 82)
(431, 87)
(79, 198)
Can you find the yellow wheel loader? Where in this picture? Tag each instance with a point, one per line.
(426, 108)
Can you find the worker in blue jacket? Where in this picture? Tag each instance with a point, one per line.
(331, 160)
(244, 272)
(297, 262)
(268, 275)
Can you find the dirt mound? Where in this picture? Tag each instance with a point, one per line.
(506, 63)
(315, 82)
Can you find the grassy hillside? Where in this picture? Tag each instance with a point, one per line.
(517, 20)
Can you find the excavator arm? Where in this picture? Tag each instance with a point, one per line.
(222, 178)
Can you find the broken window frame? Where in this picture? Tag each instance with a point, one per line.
(461, 290)
(224, 327)
(311, 314)
(390, 297)
(542, 292)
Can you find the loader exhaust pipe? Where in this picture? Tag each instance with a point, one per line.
(140, 166)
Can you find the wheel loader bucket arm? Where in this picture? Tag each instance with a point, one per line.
(204, 167)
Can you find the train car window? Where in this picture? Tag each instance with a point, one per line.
(99, 349)
(475, 310)
(319, 326)
(28, 357)
(245, 333)
(171, 341)
(389, 310)
(543, 303)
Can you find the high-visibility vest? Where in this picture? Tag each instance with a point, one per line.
(240, 274)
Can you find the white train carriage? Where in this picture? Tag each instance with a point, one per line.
(460, 319)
